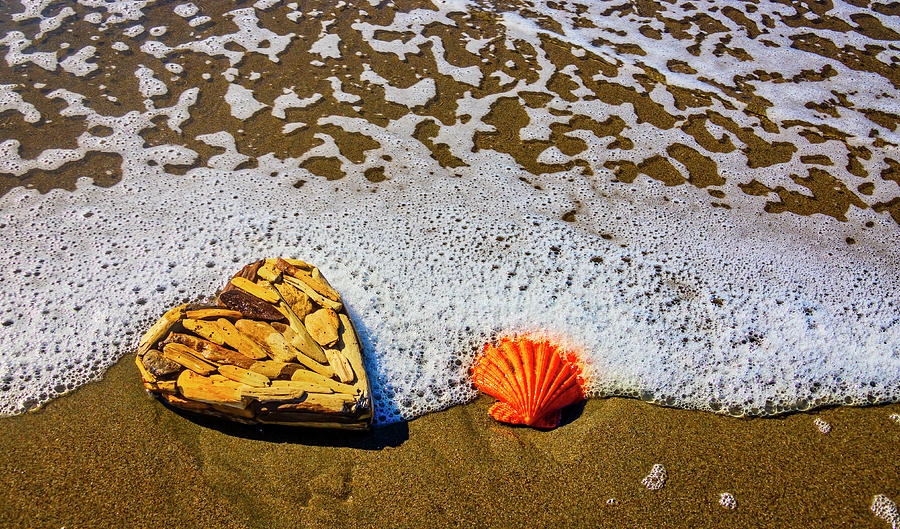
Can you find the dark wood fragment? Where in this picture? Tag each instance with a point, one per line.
(160, 366)
(250, 306)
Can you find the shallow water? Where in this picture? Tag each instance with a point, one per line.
(700, 198)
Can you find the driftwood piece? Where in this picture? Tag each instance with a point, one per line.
(210, 351)
(244, 376)
(303, 343)
(185, 356)
(274, 343)
(323, 326)
(276, 351)
(249, 306)
(321, 300)
(340, 364)
(160, 329)
(213, 314)
(210, 390)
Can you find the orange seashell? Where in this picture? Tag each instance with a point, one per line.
(534, 380)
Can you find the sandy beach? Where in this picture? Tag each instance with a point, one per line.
(110, 456)
(702, 195)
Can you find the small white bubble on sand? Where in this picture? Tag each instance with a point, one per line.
(612, 501)
(186, 10)
(822, 425)
(895, 417)
(656, 479)
(726, 499)
(886, 509)
(199, 21)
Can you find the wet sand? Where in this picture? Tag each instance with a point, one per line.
(110, 456)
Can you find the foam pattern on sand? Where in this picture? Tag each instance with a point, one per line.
(498, 188)
(428, 276)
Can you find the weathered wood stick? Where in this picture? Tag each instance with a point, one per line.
(336, 306)
(244, 376)
(353, 352)
(272, 341)
(304, 344)
(319, 286)
(341, 365)
(184, 404)
(239, 341)
(185, 356)
(299, 302)
(210, 351)
(302, 375)
(160, 329)
(269, 272)
(249, 306)
(273, 369)
(254, 290)
(213, 313)
(211, 390)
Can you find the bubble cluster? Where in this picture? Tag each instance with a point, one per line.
(665, 298)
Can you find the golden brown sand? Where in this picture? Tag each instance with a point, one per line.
(109, 456)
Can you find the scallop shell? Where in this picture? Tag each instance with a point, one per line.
(534, 380)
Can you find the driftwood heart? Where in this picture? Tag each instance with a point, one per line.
(277, 348)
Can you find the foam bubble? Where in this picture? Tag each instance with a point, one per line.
(726, 499)
(656, 479)
(186, 10)
(886, 509)
(666, 298)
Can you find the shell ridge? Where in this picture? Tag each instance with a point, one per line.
(513, 356)
(557, 387)
(504, 374)
(541, 363)
(553, 367)
(496, 387)
(502, 411)
(527, 353)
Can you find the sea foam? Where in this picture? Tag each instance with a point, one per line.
(666, 298)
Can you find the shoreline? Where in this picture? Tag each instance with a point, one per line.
(128, 461)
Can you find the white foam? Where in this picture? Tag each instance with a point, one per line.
(133, 31)
(148, 85)
(243, 104)
(822, 425)
(656, 479)
(885, 508)
(77, 63)
(415, 95)
(290, 99)
(337, 91)
(666, 298)
(12, 100)
(726, 499)
(327, 45)
(186, 10)
(16, 44)
(199, 21)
